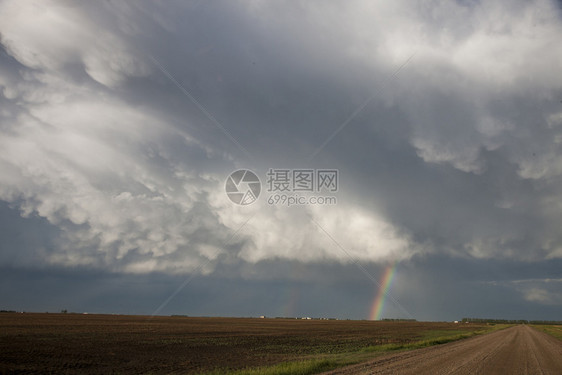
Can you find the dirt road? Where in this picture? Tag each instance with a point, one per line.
(516, 350)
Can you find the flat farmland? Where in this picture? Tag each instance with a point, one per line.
(76, 343)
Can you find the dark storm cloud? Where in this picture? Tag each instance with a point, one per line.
(306, 290)
(455, 157)
(25, 241)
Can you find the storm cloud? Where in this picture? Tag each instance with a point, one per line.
(120, 122)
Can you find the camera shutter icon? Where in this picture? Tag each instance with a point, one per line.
(243, 187)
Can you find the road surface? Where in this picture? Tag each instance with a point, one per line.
(516, 350)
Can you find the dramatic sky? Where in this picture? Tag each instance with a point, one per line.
(120, 123)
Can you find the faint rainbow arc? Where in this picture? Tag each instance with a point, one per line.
(386, 282)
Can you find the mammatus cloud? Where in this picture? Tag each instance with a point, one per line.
(78, 155)
(90, 140)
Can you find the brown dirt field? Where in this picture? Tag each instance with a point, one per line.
(75, 343)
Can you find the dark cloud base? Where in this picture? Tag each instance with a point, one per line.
(430, 289)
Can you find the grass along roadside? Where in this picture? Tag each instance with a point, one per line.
(326, 362)
(553, 330)
(435, 338)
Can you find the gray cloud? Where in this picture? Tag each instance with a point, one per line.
(455, 156)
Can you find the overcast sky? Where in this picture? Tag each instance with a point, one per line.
(120, 123)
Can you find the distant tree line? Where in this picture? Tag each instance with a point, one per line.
(508, 321)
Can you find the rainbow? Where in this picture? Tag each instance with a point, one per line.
(293, 291)
(384, 286)
(293, 295)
